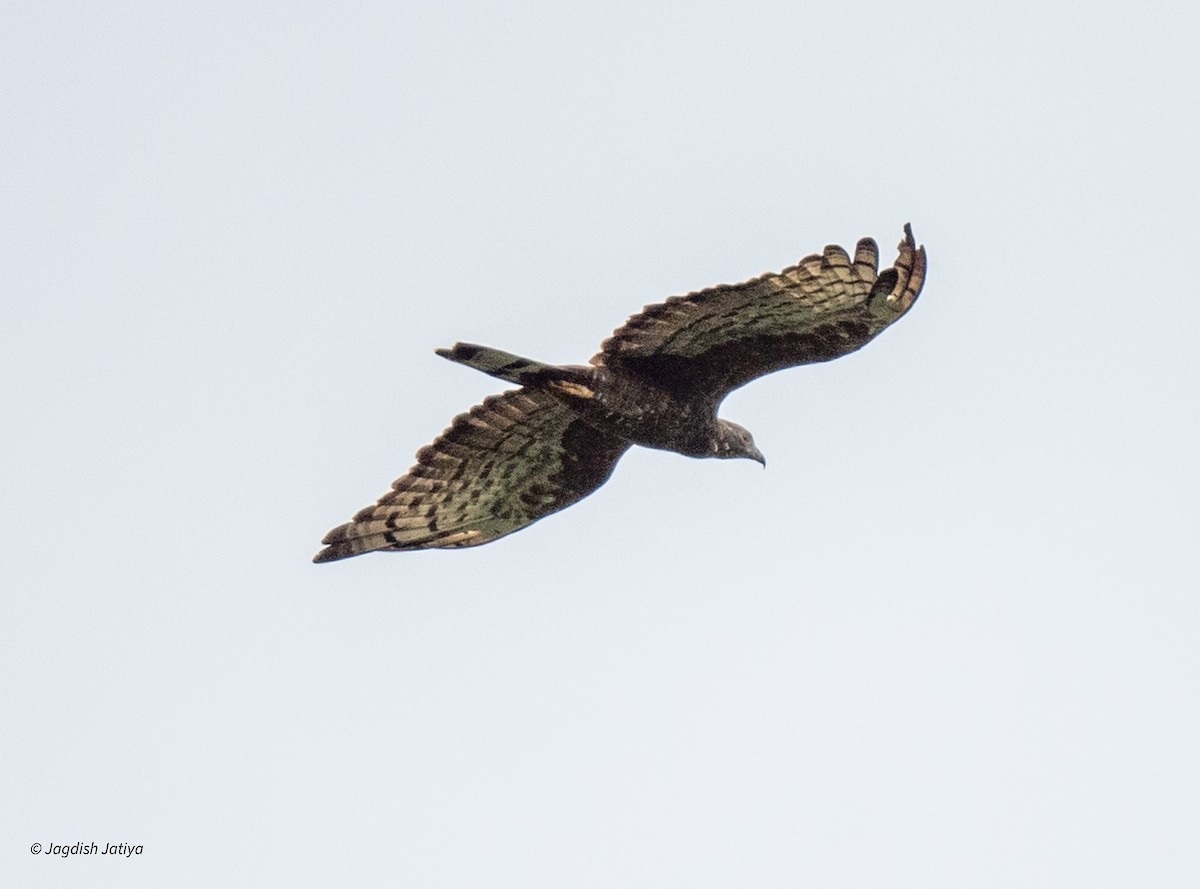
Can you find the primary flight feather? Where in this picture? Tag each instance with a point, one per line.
(657, 382)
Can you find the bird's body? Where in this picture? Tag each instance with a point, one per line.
(657, 382)
(626, 405)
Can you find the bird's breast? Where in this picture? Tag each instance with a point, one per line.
(645, 414)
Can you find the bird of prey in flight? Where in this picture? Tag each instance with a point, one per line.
(656, 382)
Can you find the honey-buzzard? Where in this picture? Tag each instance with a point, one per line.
(657, 382)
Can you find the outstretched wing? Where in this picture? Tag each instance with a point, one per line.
(710, 342)
(504, 464)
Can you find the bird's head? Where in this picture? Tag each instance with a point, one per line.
(733, 441)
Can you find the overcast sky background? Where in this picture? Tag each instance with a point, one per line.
(948, 638)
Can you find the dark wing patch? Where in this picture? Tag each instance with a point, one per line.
(712, 341)
(515, 458)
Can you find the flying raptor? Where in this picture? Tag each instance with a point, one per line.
(657, 382)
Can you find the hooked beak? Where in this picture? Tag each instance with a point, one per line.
(757, 457)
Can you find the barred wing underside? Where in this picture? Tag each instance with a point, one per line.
(515, 458)
(712, 341)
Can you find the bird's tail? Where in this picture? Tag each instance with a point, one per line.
(507, 366)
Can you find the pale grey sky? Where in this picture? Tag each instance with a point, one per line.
(949, 638)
